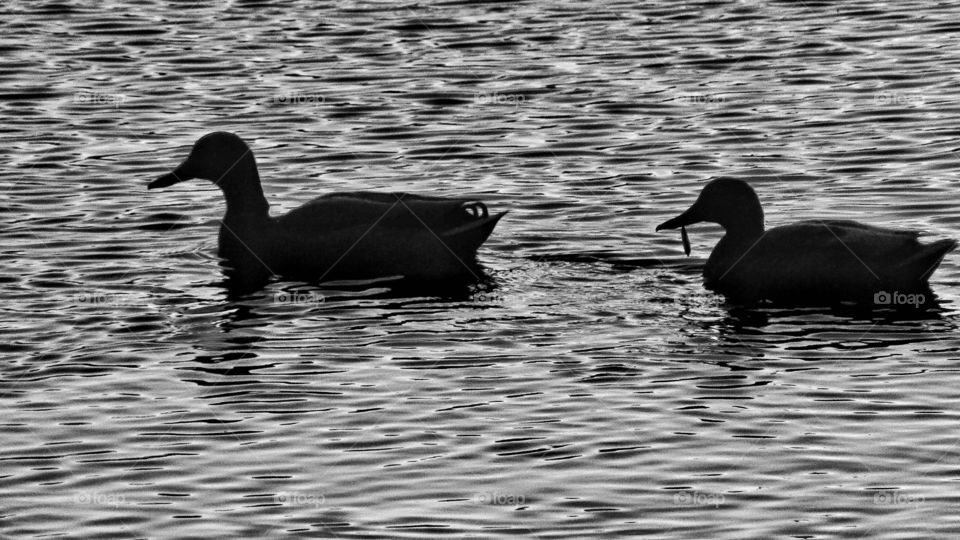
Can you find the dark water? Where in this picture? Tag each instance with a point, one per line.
(594, 389)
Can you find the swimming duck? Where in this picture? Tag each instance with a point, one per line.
(808, 262)
(355, 235)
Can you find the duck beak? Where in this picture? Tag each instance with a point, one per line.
(176, 176)
(691, 216)
(164, 181)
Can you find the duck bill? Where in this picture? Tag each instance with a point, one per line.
(691, 216)
(174, 177)
(164, 181)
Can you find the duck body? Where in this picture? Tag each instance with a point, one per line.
(364, 236)
(822, 262)
(813, 262)
(354, 235)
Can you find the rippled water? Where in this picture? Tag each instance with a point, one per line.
(594, 387)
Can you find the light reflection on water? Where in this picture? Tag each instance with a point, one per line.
(592, 387)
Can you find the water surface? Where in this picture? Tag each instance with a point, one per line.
(594, 388)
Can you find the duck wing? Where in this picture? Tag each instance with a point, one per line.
(442, 216)
(388, 197)
(890, 254)
(376, 234)
(831, 259)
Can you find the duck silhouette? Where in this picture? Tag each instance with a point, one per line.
(339, 236)
(815, 262)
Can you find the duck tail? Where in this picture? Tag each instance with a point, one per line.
(929, 258)
(471, 235)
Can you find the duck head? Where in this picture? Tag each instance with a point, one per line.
(227, 161)
(729, 202)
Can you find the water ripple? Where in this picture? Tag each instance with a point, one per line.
(591, 388)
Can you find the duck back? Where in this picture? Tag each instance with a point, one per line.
(363, 235)
(820, 261)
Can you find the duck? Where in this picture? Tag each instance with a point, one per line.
(356, 235)
(811, 262)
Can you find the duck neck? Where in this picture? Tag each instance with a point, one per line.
(241, 187)
(747, 227)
